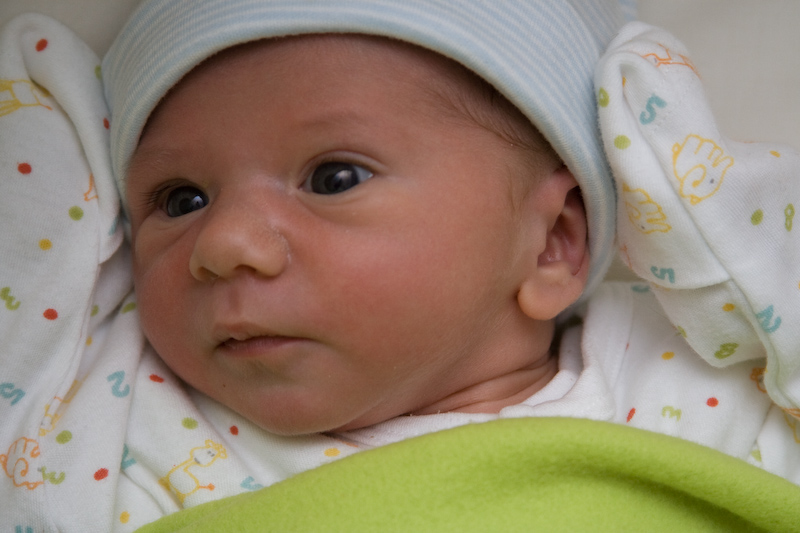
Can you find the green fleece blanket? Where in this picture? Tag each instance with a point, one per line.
(516, 475)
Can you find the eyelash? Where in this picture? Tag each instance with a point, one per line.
(153, 200)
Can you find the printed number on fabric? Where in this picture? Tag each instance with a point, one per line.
(726, 350)
(663, 273)
(116, 389)
(52, 477)
(649, 114)
(127, 460)
(250, 484)
(768, 323)
(10, 392)
(12, 304)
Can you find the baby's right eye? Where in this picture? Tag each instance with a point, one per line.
(336, 177)
(183, 200)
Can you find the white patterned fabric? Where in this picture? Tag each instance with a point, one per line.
(708, 221)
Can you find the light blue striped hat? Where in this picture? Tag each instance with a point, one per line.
(540, 54)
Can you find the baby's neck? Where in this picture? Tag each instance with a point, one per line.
(493, 395)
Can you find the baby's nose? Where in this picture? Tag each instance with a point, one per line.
(237, 238)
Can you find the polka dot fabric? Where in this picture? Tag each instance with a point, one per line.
(707, 221)
(57, 210)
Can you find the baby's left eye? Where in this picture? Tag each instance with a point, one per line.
(183, 200)
(336, 177)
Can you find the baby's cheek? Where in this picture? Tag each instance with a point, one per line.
(159, 309)
(153, 319)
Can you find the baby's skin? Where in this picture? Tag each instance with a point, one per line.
(326, 235)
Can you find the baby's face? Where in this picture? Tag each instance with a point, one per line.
(319, 244)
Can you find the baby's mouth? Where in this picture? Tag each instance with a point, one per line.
(251, 339)
(255, 345)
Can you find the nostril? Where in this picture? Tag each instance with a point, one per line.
(204, 274)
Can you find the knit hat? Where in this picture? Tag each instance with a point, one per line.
(540, 54)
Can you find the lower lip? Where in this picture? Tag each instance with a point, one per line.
(256, 346)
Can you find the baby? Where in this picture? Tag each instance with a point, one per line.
(354, 224)
(363, 230)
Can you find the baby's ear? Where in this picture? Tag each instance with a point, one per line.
(559, 275)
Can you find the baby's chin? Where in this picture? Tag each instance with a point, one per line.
(293, 421)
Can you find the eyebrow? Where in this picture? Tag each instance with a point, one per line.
(150, 158)
(347, 117)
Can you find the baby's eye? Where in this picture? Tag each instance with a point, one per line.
(183, 200)
(335, 177)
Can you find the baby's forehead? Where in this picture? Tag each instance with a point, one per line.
(423, 68)
(437, 84)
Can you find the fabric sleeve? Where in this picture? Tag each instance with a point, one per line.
(709, 222)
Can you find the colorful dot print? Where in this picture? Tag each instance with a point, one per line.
(602, 98)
